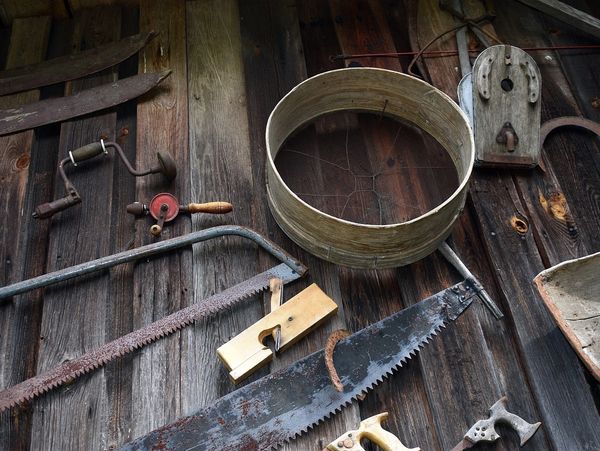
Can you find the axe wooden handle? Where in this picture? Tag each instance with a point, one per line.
(210, 207)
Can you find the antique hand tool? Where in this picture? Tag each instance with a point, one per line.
(289, 270)
(484, 430)
(245, 353)
(370, 429)
(73, 66)
(276, 288)
(164, 207)
(87, 101)
(165, 166)
(276, 408)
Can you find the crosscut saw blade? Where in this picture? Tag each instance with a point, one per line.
(59, 109)
(278, 407)
(70, 370)
(73, 66)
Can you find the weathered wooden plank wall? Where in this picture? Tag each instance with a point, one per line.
(550, 364)
(163, 284)
(74, 316)
(273, 58)
(232, 61)
(19, 319)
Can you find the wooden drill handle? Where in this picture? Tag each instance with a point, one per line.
(210, 207)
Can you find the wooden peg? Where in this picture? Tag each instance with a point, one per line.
(246, 352)
(215, 208)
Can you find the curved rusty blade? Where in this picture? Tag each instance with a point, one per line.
(87, 101)
(73, 66)
(70, 370)
(280, 406)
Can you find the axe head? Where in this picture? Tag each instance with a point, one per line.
(484, 430)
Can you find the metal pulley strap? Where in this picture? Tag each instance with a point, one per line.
(567, 121)
(368, 90)
(148, 251)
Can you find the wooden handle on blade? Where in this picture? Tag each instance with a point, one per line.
(215, 208)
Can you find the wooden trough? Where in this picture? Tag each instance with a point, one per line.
(379, 91)
(571, 291)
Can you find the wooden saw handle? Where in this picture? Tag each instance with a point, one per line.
(215, 208)
(370, 429)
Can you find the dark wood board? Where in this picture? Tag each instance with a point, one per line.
(19, 317)
(232, 61)
(163, 284)
(85, 304)
(551, 366)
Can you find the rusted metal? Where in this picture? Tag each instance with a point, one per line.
(73, 66)
(280, 406)
(484, 430)
(567, 121)
(151, 250)
(87, 101)
(164, 207)
(165, 166)
(332, 341)
(72, 369)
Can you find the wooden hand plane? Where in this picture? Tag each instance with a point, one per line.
(246, 352)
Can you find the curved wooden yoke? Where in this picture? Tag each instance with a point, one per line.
(368, 90)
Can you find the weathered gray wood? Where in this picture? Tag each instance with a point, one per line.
(74, 314)
(568, 14)
(506, 90)
(119, 317)
(570, 291)
(19, 319)
(220, 161)
(162, 285)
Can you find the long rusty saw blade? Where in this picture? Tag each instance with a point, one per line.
(272, 410)
(73, 66)
(70, 370)
(87, 101)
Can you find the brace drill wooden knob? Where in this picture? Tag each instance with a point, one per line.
(164, 207)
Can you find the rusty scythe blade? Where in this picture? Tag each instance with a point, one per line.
(87, 101)
(272, 410)
(70, 370)
(73, 66)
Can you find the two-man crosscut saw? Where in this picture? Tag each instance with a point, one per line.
(280, 406)
(73, 66)
(290, 269)
(87, 101)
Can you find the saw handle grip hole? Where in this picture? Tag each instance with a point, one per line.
(507, 84)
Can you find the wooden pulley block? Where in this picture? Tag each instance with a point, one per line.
(506, 107)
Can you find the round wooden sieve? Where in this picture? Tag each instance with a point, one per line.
(372, 90)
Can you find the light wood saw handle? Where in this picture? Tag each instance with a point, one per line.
(215, 208)
(370, 429)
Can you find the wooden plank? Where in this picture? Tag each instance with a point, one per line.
(567, 14)
(559, 199)
(161, 285)
(273, 55)
(19, 318)
(414, 283)
(219, 148)
(74, 314)
(550, 365)
(119, 316)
